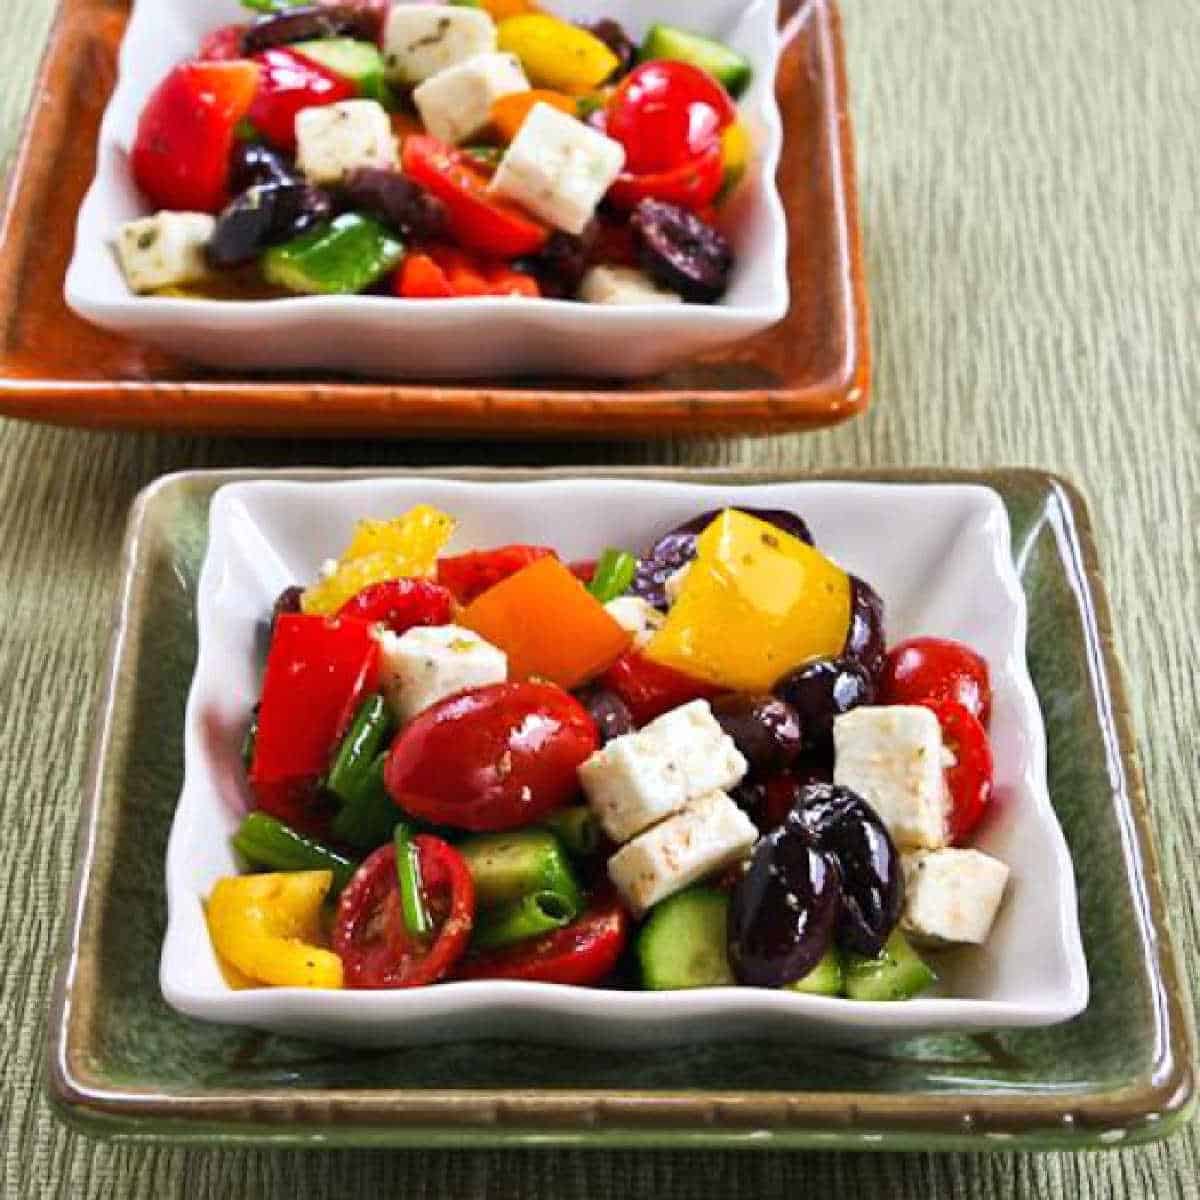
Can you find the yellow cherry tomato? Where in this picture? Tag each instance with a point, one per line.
(755, 603)
(267, 927)
(379, 550)
(557, 55)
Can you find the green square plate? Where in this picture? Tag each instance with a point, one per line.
(122, 1063)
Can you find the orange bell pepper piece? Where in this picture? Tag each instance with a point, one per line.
(509, 112)
(548, 624)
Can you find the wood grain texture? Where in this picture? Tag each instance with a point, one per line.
(1029, 177)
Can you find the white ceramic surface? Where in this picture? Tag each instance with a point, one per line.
(381, 336)
(938, 554)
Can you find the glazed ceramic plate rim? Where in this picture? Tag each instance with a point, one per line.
(96, 291)
(258, 510)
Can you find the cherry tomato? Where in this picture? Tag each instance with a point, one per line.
(401, 604)
(470, 575)
(180, 156)
(969, 780)
(649, 689)
(491, 758)
(666, 114)
(693, 185)
(477, 219)
(928, 668)
(223, 44)
(584, 570)
(291, 82)
(582, 954)
(369, 934)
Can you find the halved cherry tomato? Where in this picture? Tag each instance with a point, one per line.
(969, 780)
(291, 82)
(470, 575)
(478, 220)
(693, 184)
(581, 954)
(666, 114)
(650, 689)
(491, 758)
(369, 934)
(223, 44)
(928, 668)
(180, 156)
(584, 570)
(401, 604)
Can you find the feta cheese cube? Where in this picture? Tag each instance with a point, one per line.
(456, 104)
(642, 777)
(165, 250)
(951, 895)
(419, 40)
(558, 168)
(429, 663)
(709, 833)
(334, 139)
(623, 285)
(636, 616)
(892, 757)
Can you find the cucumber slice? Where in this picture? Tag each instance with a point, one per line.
(358, 62)
(897, 974)
(724, 64)
(684, 944)
(340, 258)
(507, 867)
(825, 979)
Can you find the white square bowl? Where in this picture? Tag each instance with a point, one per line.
(938, 554)
(384, 336)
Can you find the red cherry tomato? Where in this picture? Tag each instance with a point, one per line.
(928, 668)
(223, 44)
(584, 570)
(582, 954)
(650, 689)
(693, 185)
(180, 156)
(491, 758)
(477, 219)
(401, 604)
(666, 114)
(470, 575)
(369, 934)
(291, 82)
(969, 780)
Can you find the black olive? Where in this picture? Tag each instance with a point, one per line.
(783, 910)
(866, 642)
(311, 21)
(399, 202)
(252, 164)
(288, 601)
(820, 691)
(612, 34)
(681, 252)
(677, 548)
(608, 710)
(264, 216)
(840, 822)
(560, 265)
(764, 728)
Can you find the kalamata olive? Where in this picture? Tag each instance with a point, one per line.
(264, 216)
(252, 164)
(783, 910)
(560, 265)
(681, 252)
(388, 195)
(311, 21)
(677, 548)
(840, 822)
(866, 642)
(288, 601)
(769, 802)
(612, 34)
(608, 710)
(764, 728)
(820, 691)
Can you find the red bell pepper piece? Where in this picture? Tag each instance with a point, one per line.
(443, 272)
(470, 575)
(420, 278)
(180, 155)
(649, 689)
(401, 604)
(291, 82)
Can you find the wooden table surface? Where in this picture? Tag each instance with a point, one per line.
(1029, 176)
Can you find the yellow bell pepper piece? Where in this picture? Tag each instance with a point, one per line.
(755, 603)
(557, 55)
(268, 927)
(736, 151)
(379, 550)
